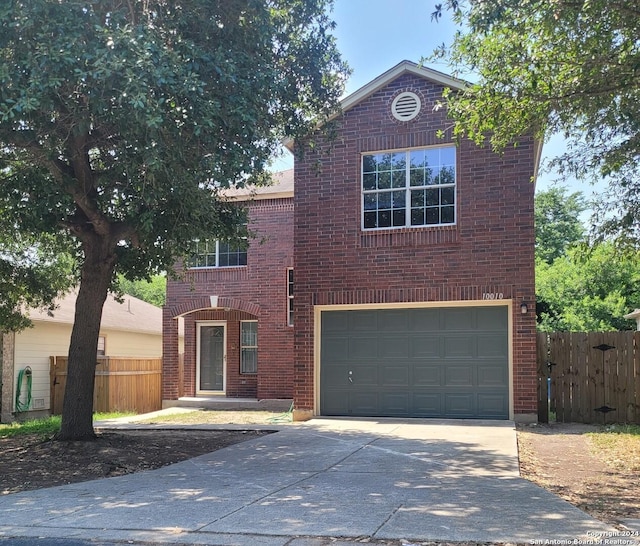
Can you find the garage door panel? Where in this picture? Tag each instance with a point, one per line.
(363, 348)
(337, 322)
(492, 376)
(364, 376)
(458, 376)
(364, 403)
(493, 405)
(363, 321)
(423, 347)
(493, 318)
(394, 376)
(335, 348)
(335, 402)
(395, 404)
(427, 376)
(490, 346)
(335, 377)
(459, 346)
(394, 320)
(393, 347)
(460, 405)
(424, 320)
(458, 319)
(423, 362)
(427, 404)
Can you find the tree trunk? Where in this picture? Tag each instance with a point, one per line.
(77, 408)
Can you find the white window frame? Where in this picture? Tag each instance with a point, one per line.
(102, 341)
(290, 296)
(244, 347)
(407, 189)
(215, 252)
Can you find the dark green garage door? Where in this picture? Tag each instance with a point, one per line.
(426, 362)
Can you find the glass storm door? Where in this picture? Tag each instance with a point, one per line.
(211, 362)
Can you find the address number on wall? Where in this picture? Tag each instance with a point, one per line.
(492, 295)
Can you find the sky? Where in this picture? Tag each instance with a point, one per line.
(375, 35)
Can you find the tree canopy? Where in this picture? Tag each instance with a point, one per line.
(121, 122)
(557, 222)
(568, 67)
(152, 291)
(588, 292)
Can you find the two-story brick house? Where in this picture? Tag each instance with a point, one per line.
(413, 293)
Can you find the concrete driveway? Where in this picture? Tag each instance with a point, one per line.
(415, 480)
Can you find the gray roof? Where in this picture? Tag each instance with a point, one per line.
(133, 315)
(281, 188)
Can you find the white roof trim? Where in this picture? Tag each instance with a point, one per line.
(405, 67)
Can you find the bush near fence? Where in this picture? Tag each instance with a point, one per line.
(582, 383)
(122, 384)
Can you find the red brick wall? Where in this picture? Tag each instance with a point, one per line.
(489, 250)
(257, 291)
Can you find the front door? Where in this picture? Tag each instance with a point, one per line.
(211, 357)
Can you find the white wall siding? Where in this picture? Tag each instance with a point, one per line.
(33, 348)
(35, 345)
(132, 344)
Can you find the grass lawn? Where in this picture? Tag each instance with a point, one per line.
(618, 446)
(47, 426)
(212, 417)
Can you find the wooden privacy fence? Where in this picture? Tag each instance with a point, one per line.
(589, 377)
(121, 384)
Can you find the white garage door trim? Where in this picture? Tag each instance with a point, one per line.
(319, 309)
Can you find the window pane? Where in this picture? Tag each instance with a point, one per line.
(370, 220)
(384, 180)
(447, 175)
(384, 200)
(249, 361)
(447, 215)
(447, 196)
(398, 161)
(368, 164)
(416, 177)
(417, 217)
(433, 197)
(370, 201)
(384, 162)
(249, 333)
(369, 181)
(432, 157)
(398, 178)
(448, 156)
(417, 198)
(399, 218)
(398, 199)
(433, 216)
(417, 159)
(384, 218)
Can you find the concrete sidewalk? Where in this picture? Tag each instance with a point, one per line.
(385, 479)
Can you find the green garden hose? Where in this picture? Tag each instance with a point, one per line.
(23, 406)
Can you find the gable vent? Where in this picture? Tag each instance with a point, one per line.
(406, 106)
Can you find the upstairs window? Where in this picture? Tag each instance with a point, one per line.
(211, 253)
(409, 188)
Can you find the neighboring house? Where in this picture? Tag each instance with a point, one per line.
(634, 315)
(132, 328)
(413, 293)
